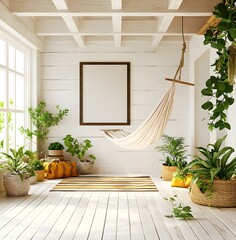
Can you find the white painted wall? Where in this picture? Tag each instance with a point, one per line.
(200, 60)
(202, 73)
(60, 85)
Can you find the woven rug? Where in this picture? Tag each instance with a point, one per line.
(106, 184)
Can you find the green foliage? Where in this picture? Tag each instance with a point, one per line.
(179, 211)
(219, 88)
(173, 149)
(36, 164)
(214, 163)
(42, 120)
(55, 146)
(182, 174)
(15, 165)
(2, 120)
(76, 148)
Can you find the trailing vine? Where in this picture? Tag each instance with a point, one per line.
(219, 87)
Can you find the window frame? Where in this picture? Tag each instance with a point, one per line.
(18, 45)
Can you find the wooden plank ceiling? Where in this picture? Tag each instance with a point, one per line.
(90, 22)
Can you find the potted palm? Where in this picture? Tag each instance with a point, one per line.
(214, 181)
(75, 148)
(16, 179)
(55, 149)
(174, 152)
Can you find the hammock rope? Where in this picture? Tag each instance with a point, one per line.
(151, 130)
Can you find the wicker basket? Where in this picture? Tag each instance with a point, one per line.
(224, 194)
(167, 172)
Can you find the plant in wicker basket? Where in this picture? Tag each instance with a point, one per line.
(213, 181)
(174, 152)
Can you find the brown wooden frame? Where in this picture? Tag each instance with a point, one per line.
(82, 121)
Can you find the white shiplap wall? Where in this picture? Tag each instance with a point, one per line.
(60, 86)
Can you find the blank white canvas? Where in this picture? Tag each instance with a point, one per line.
(104, 93)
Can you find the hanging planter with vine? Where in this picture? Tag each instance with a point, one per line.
(219, 87)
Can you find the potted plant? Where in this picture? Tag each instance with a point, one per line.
(182, 178)
(38, 168)
(214, 174)
(174, 152)
(55, 149)
(42, 120)
(75, 148)
(16, 179)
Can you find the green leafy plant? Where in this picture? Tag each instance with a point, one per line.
(179, 211)
(219, 88)
(55, 146)
(214, 163)
(42, 120)
(77, 149)
(182, 174)
(173, 149)
(15, 165)
(2, 121)
(36, 164)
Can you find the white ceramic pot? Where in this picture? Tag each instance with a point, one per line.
(85, 167)
(14, 186)
(33, 179)
(1, 180)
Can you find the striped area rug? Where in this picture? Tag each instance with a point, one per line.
(106, 184)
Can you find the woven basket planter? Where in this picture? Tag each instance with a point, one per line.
(55, 153)
(224, 194)
(167, 172)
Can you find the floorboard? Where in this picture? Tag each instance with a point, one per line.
(110, 215)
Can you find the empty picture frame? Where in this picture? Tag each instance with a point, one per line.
(104, 93)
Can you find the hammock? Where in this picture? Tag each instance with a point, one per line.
(150, 131)
(153, 127)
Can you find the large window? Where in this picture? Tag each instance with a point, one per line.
(13, 93)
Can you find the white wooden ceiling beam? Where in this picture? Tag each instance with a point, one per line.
(117, 40)
(61, 4)
(70, 21)
(165, 21)
(116, 4)
(117, 24)
(103, 27)
(79, 40)
(174, 4)
(17, 28)
(72, 25)
(103, 6)
(110, 14)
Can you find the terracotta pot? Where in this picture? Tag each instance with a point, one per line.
(14, 186)
(167, 172)
(55, 153)
(40, 174)
(224, 194)
(85, 167)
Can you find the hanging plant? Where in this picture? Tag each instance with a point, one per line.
(219, 87)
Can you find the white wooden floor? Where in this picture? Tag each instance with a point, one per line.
(136, 216)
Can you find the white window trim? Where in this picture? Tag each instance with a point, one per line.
(30, 76)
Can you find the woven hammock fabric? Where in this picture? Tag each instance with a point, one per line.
(151, 129)
(106, 184)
